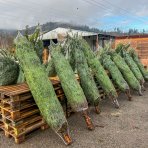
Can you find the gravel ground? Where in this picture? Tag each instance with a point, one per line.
(126, 127)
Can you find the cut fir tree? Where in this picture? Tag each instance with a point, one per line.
(86, 80)
(134, 68)
(99, 72)
(79, 63)
(70, 85)
(9, 68)
(115, 74)
(126, 72)
(139, 64)
(41, 88)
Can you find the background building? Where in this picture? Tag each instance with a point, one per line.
(59, 34)
(139, 43)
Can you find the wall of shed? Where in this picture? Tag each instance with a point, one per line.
(91, 40)
(139, 44)
(101, 41)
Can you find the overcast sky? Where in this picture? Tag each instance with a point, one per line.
(103, 14)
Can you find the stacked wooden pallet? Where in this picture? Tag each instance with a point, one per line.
(1, 122)
(19, 113)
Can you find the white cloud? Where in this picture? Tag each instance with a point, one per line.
(18, 13)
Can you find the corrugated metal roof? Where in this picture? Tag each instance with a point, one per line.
(64, 31)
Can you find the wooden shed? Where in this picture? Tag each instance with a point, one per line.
(139, 43)
(60, 34)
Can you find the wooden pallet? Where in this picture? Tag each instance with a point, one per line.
(1, 121)
(1, 126)
(27, 121)
(20, 134)
(17, 129)
(18, 89)
(15, 98)
(19, 92)
(18, 97)
(19, 121)
(19, 114)
(17, 105)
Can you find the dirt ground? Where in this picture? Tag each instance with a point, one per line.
(126, 127)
